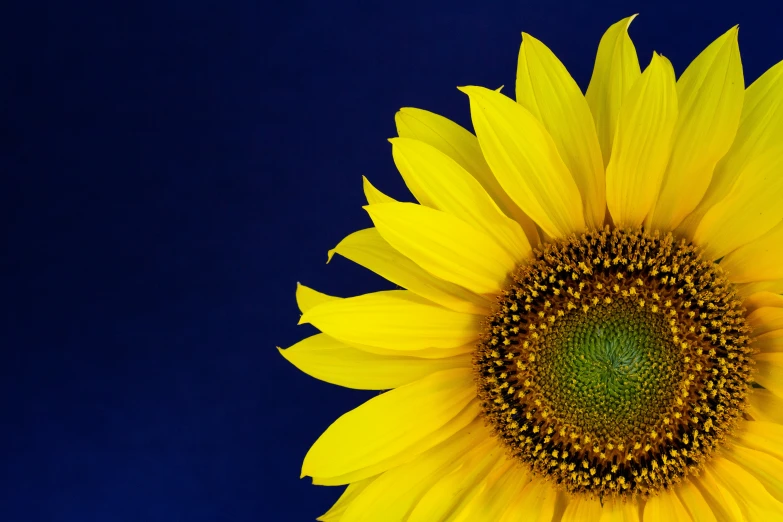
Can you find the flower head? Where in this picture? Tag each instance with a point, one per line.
(591, 326)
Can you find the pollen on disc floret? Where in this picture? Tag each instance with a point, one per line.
(615, 363)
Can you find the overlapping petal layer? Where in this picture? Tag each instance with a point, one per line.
(641, 146)
(392, 428)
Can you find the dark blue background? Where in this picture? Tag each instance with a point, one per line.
(170, 170)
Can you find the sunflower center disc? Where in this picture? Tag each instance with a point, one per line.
(607, 369)
(615, 363)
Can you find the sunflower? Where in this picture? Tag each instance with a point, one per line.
(589, 325)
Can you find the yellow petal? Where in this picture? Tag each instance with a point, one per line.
(425, 353)
(350, 494)
(755, 502)
(307, 298)
(769, 342)
(620, 511)
(765, 406)
(720, 500)
(455, 490)
(665, 506)
(330, 360)
(581, 508)
(373, 195)
(775, 285)
(535, 503)
(760, 130)
(769, 372)
(561, 503)
(450, 188)
(393, 428)
(766, 437)
(766, 470)
(642, 144)
(762, 299)
(761, 125)
(394, 493)
(729, 224)
(463, 418)
(547, 90)
(694, 503)
(501, 488)
(463, 147)
(393, 319)
(368, 249)
(710, 94)
(525, 161)
(758, 260)
(616, 70)
(444, 245)
(765, 319)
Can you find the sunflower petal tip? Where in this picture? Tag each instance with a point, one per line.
(306, 467)
(473, 90)
(409, 112)
(658, 59)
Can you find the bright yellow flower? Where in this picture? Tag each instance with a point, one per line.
(591, 326)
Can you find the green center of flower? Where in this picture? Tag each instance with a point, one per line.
(609, 370)
(615, 363)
